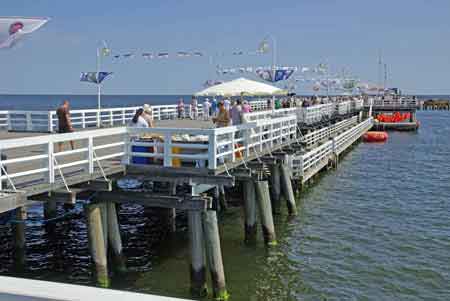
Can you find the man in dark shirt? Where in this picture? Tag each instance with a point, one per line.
(64, 122)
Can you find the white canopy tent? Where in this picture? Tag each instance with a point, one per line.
(241, 86)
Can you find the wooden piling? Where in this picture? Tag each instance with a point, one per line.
(250, 212)
(19, 242)
(275, 188)
(265, 211)
(214, 255)
(222, 198)
(114, 238)
(97, 243)
(198, 269)
(288, 191)
(49, 209)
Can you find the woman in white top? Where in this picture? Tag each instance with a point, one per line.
(138, 121)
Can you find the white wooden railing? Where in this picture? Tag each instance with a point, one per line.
(391, 102)
(305, 165)
(215, 146)
(37, 156)
(325, 133)
(47, 121)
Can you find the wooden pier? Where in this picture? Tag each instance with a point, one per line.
(274, 154)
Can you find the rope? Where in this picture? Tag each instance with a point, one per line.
(71, 212)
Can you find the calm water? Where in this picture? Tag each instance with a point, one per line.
(378, 228)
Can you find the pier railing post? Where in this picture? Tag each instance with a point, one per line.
(214, 255)
(167, 149)
(50, 122)
(212, 151)
(198, 267)
(265, 211)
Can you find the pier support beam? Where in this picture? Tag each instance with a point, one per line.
(115, 241)
(288, 191)
(276, 188)
(97, 242)
(198, 268)
(19, 242)
(265, 211)
(214, 255)
(250, 212)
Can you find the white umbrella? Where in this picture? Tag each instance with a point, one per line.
(241, 86)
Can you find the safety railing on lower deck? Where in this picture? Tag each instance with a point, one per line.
(39, 158)
(319, 156)
(324, 133)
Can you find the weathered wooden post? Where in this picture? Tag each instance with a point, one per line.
(198, 268)
(97, 245)
(276, 188)
(115, 241)
(222, 198)
(49, 209)
(19, 242)
(288, 192)
(250, 212)
(214, 255)
(265, 211)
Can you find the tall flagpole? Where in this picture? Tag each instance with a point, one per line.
(99, 88)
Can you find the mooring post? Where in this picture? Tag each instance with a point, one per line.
(104, 214)
(265, 211)
(214, 255)
(97, 244)
(276, 188)
(198, 268)
(287, 189)
(19, 242)
(250, 212)
(49, 209)
(114, 238)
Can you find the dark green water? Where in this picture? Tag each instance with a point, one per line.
(378, 228)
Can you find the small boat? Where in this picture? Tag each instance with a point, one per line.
(375, 136)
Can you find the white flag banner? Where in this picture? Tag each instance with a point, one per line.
(12, 29)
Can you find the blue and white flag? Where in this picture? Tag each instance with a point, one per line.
(94, 77)
(12, 29)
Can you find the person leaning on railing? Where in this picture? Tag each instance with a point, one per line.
(138, 120)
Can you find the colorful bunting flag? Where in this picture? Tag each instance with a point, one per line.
(94, 77)
(12, 29)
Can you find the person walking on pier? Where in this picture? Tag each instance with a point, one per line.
(180, 109)
(194, 108)
(64, 122)
(236, 113)
(206, 109)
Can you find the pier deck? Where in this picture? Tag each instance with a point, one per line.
(287, 146)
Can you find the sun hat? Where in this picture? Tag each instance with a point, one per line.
(147, 108)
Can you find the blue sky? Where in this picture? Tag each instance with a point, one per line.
(414, 36)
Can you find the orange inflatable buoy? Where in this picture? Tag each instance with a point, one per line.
(375, 136)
